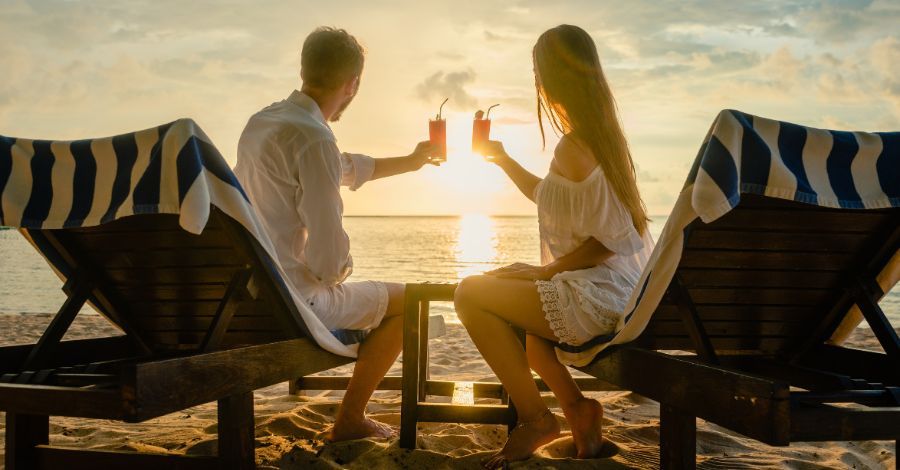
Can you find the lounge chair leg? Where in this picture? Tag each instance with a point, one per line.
(23, 434)
(677, 439)
(236, 432)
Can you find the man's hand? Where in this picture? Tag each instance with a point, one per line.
(521, 271)
(424, 153)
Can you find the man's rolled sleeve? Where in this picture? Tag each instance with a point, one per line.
(321, 208)
(356, 169)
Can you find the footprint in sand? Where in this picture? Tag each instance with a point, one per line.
(564, 448)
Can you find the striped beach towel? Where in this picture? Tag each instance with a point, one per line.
(170, 169)
(748, 154)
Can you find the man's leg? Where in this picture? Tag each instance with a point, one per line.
(376, 355)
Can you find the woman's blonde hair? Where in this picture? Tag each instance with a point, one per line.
(572, 91)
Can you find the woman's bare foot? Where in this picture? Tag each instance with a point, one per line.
(347, 431)
(586, 421)
(525, 439)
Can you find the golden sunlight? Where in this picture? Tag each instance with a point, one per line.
(466, 172)
(476, 245)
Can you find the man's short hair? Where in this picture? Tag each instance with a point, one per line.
(330, 57)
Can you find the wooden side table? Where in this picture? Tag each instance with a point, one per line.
(416, 384)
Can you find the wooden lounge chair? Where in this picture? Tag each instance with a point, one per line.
(206, 318)
(756, 296)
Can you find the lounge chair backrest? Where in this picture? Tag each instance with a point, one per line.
(170, 288)
(771, 275)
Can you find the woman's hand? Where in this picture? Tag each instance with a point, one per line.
(494, 152)
(522, 271)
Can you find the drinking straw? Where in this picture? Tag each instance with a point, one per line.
(441, 109)
(489, 111)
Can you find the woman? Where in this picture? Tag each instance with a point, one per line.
(594, 244)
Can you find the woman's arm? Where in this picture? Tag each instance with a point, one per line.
(589, 254)
(523, 179)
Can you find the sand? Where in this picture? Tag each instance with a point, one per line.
(288, 427)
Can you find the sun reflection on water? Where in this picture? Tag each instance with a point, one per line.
(476, 245)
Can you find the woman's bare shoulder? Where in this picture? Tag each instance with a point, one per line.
(572, 159)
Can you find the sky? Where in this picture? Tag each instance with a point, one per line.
(84, 68)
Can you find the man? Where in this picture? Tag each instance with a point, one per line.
(291, 168)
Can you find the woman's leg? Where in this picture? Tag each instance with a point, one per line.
(487, 305)
(584, 415)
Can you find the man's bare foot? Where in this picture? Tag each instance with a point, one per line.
(525, 439)
(347, 431)
(586, 422)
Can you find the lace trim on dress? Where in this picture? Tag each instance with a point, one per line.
(553, 312)
(608, 318)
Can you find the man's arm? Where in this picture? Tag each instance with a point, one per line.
(385, 167)
(322, 210)
(361, 168)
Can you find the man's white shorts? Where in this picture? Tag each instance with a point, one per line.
(351, 305)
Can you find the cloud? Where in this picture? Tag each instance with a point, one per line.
(646, 176)
(885, 57)
(451, 85)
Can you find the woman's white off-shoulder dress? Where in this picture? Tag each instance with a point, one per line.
(583, 304)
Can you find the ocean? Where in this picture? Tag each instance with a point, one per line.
(399, 249)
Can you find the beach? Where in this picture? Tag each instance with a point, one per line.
(289, 428)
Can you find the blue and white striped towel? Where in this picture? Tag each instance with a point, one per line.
(745, 154)
(170, 169)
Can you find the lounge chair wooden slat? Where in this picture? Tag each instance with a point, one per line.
(98, 242)
(731, 328)
(191, 340)
(757, 278)
(783, 260)
(723, 312)
(776, 241)
(761, 297)
(169, 258)
(194, 308)
(768, 345)
(168, 276)
(811, 220)
(197, 323)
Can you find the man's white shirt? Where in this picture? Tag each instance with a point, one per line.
(291, 169)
